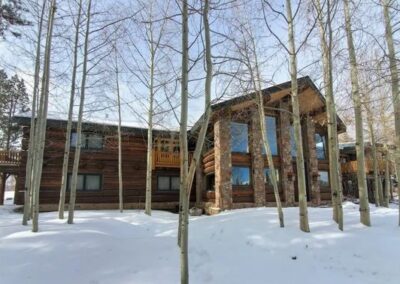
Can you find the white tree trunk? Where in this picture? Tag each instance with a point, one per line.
(74, 177)
(149, 168)
(28, 175)
(301, 178)
(361, 175)
(387, 178)
(325, 32)
(184, 201)
(394, 73)
(40, 131)
(120, 183)
(64, 177)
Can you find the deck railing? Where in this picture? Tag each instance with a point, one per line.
(351, 166)
(10, 158)
(167, 159)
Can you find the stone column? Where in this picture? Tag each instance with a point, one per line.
(312, 161)
(223, 164)
(287, 179)
(257, 159)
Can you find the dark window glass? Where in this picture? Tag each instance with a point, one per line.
(320, 144)
(239, 137)
(240, 176)
(270, 129)
(168, 183)
(88, 140)
(323, 178)
(86, 182)
(293, 149)
(267, 177)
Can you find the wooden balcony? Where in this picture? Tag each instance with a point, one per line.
(10, 158)
(167, 159)
(351, 166)
(10, 161)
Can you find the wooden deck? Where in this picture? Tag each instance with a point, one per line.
(167, 159)
(10, 158)
(351, 166)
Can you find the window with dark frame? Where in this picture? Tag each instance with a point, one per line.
(267, 177)
(270, 130)
(168, 183)
(86, 182)
(90, 141)
(323, 178)
(239, 137)
(241, 176)
(320, 145)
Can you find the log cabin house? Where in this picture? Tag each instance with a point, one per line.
(348, 159)
(233, 172)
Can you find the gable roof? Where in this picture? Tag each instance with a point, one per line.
(276, 93)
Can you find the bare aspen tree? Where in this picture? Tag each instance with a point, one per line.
(304, 226)
(387, 177)
(207, 99)
(28, 176)
(40, 131)
(378, 194)
(394, 73)
(361, 175)
(64, 176)
(120, 183)
(183, 144)
(74, 177)
(325, 34)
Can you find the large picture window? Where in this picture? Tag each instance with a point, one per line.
(239, 137)
(88, 140)
(168, 183)
(320, 144)
(240, 176)
(323, 179)
(270, 129)
(86, 182)
(268, 178)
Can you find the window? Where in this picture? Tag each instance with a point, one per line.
(239, 137)
(293, 149)
(323, 179)
(168, 183)
(240, 176)
(210, 182)
(86, 182)
(320, 144)
(267, 177)
(88, 140)
(270, 129)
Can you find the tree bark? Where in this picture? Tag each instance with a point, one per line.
(150, 130)
(184, 201)
(64, 177)
(120, 182)
(301, 178)
(74, 178)
(40, 131)
(325, 33)
(361, 175)
(394, 73)
(28, 175)
(387, 178)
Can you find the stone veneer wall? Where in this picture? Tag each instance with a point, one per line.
(287, 175)
(223, 162)
(257, 159)
(312, 161)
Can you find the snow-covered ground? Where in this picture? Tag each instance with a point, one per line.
(239, 246)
